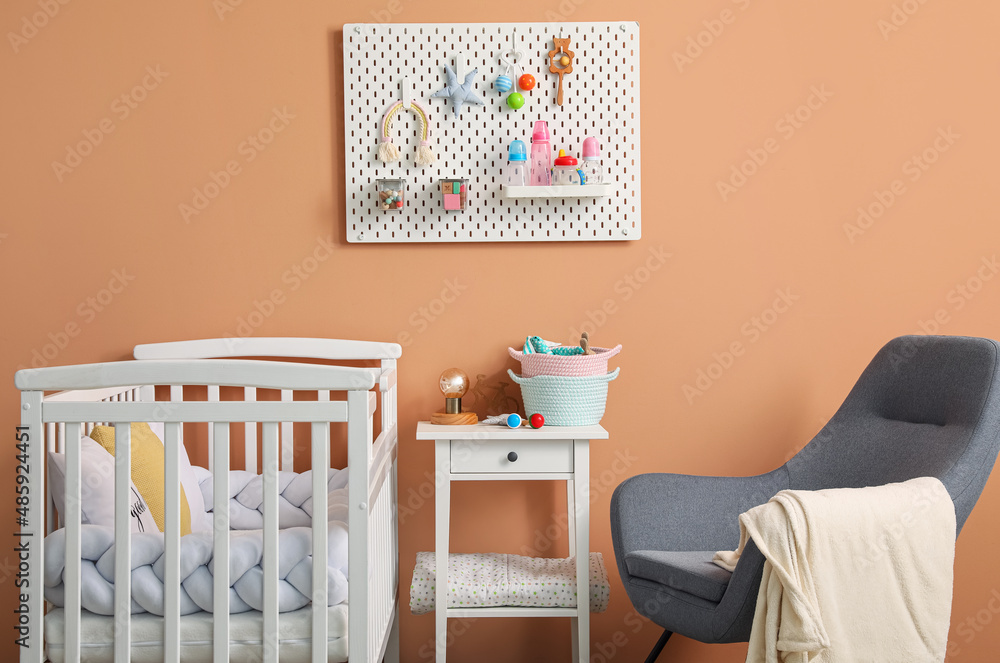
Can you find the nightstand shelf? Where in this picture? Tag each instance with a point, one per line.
(497, 453)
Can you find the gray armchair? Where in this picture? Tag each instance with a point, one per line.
(924, 406)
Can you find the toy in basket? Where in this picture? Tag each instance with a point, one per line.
(540, 358)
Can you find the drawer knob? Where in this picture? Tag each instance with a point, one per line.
(512, 456)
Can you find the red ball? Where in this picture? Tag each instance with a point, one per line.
(537, 420)
(526, 82)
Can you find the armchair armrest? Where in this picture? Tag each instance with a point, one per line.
(678, 512)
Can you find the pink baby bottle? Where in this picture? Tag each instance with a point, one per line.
(541, 155)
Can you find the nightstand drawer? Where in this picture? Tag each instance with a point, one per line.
(468, 456)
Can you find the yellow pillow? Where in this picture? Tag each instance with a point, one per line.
(147, 470)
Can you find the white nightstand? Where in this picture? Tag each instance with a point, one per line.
(497, 453)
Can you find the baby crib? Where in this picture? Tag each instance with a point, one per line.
(120, 393)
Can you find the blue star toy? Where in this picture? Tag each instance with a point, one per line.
(459, 93)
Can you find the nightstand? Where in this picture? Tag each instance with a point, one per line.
(496, 453)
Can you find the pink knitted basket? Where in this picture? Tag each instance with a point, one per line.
(574, 366)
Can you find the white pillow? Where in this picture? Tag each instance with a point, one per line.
(97, 488)
(200, 521)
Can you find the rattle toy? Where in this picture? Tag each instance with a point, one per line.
(387, 151)
(561, 65)
(503, 83)
(453, 384)
(459, 93)
(515, 421)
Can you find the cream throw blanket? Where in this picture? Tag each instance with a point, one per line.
(862, 574)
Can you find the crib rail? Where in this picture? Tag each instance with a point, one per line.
(121, 393)
(219, 372)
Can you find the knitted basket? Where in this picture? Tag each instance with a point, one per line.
(565, 365)
(565, 401)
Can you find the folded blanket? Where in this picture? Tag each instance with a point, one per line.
(860, 574)
(481, 580)
(197, 565)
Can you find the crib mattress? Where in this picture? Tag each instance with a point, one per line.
(483, 580)
(294, 636)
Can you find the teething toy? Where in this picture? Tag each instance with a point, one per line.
(515, 420)
(565, 63)
(526, 82)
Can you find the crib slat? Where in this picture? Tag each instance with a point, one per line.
(52, 443)
(213, 397)
(250, 437)
(287, 441)
(172, 544)
(270, 564)
(359, 444)
(123, 542)
(71, 580)
(220, 592)
(176, 396)
(320, 600)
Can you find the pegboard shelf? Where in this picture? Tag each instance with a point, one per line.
(601, 99)
(561, 192)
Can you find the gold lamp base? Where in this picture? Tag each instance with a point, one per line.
(456, 419)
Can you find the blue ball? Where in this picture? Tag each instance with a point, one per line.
(503, 83)
(514, 420)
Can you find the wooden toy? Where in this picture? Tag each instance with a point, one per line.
(561, 65)
(585, 344)
(453, 384)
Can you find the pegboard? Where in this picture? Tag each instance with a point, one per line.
(601, 98)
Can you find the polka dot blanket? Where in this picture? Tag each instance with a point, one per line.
(480, 580)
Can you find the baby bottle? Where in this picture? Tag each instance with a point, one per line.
(591, 166)
(541, 155)
(517, 164)
(565, 170)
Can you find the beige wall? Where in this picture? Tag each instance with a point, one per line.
(67, 239)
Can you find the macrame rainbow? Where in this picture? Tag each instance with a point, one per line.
(387, 151)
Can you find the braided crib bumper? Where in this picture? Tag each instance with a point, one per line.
(196, 554)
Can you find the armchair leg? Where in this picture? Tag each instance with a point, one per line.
(658, 647)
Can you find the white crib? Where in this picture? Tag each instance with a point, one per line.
(119, 393)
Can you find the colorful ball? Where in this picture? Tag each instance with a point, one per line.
(513, 420)
(515, 100)
(503, 83)
(526, 82)
(537, 420)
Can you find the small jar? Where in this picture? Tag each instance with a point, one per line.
(566, 171)
(390, 194)
(516, 173)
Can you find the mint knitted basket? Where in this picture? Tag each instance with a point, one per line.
(565, 401)
(566, 365)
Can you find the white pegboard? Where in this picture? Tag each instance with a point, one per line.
(601, 99)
